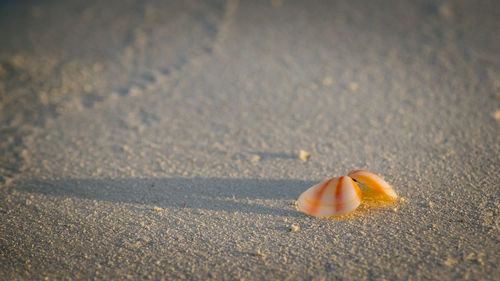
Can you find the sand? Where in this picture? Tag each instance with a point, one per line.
(162, 140)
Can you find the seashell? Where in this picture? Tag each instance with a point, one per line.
(374, 181)
(333, 197)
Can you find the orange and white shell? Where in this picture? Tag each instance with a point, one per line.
(374, 181)
(333, 197)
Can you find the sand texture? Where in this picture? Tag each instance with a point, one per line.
(162, 139)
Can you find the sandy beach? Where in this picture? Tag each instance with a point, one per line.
(160, 140)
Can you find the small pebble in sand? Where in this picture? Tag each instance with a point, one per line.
(353, 86)
(431, 205)
(479, 258)
(304, 155)
(450, 262)
(470, 256)
(42, 96)
(294, 228)
(445, 11)
(496, 115)
(401, 200)
(258, 253)
(327, 81)
(157, 209)
(135, 91)
(277, 3)
(395, 210)
(255, 158)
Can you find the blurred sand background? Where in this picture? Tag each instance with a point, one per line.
(160, 139)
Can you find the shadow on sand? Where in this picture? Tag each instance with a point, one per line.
(257, 196)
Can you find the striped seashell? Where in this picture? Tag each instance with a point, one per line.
(374, 181)
(333, 197)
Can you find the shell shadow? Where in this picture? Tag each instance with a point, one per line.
(257, 196)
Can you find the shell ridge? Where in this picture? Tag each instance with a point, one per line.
(318, 195)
